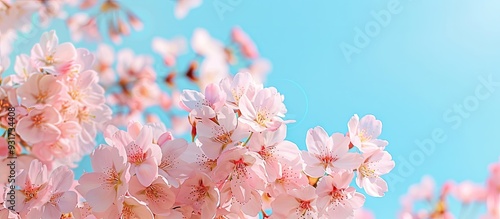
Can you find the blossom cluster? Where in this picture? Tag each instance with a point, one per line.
(471, 196)
(116, 17)
(18, 19)
(133, 81)
(237, 165)
(59, 105)
(137, 84)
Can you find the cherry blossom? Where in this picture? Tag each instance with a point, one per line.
(40, 125)
(50, 55)
(468, 192)
(183, 6)
(275, 151)
(108, 185)
(264, 112)
(130, 207)
(328, 154)
(247, 46)
(244, 170)
(118, 19)
(48, 90)
(61, 199)
(376, 164)
(237, 163)
(158, 195)
(193, 101)
(143, 156)
(34, 188)
(364, 133)
(171, 165)
(241, 84)
(201, 193)
(336, 198)
(298, 203)
(220, 135)
(169, 49)
(105, 57)
(8, 214)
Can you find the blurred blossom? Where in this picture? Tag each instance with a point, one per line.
(184, 6)
(236, 163)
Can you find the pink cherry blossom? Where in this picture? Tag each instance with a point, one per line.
(50, 55)
(336, 198)
(108, 184)
(24, 68)
(376, 164)
(40, 125)
(298, 203)
(364, 133)
(232, 208)
(4, 64)
(146, 92)
(85, 90)
(424, 190)
(217, 137)
(105, 57)
(158, 196)
(52, 9)
(8, 214)
(242, 84)
(275, 151)
(468, 192)
(328, 154)
(179, 212)
(34, 187)
(169, 49)
(131, 67)
(184, 6)
(142, 154)
(212, 70)
(247, 46)
(493, 183)
(291, 177)
(83, 211)
(194, 101)
(39, 89)
(203, 44)
(200, 192)
(363, 214)
(64, 146)
(129, 208)
(91, 119)
(197, 160)
(171, 166)
(81, 25)
(238, 163)
(61, 199)
(244, 170)
(264, 112)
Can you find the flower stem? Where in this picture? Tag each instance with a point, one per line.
(248, 139)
